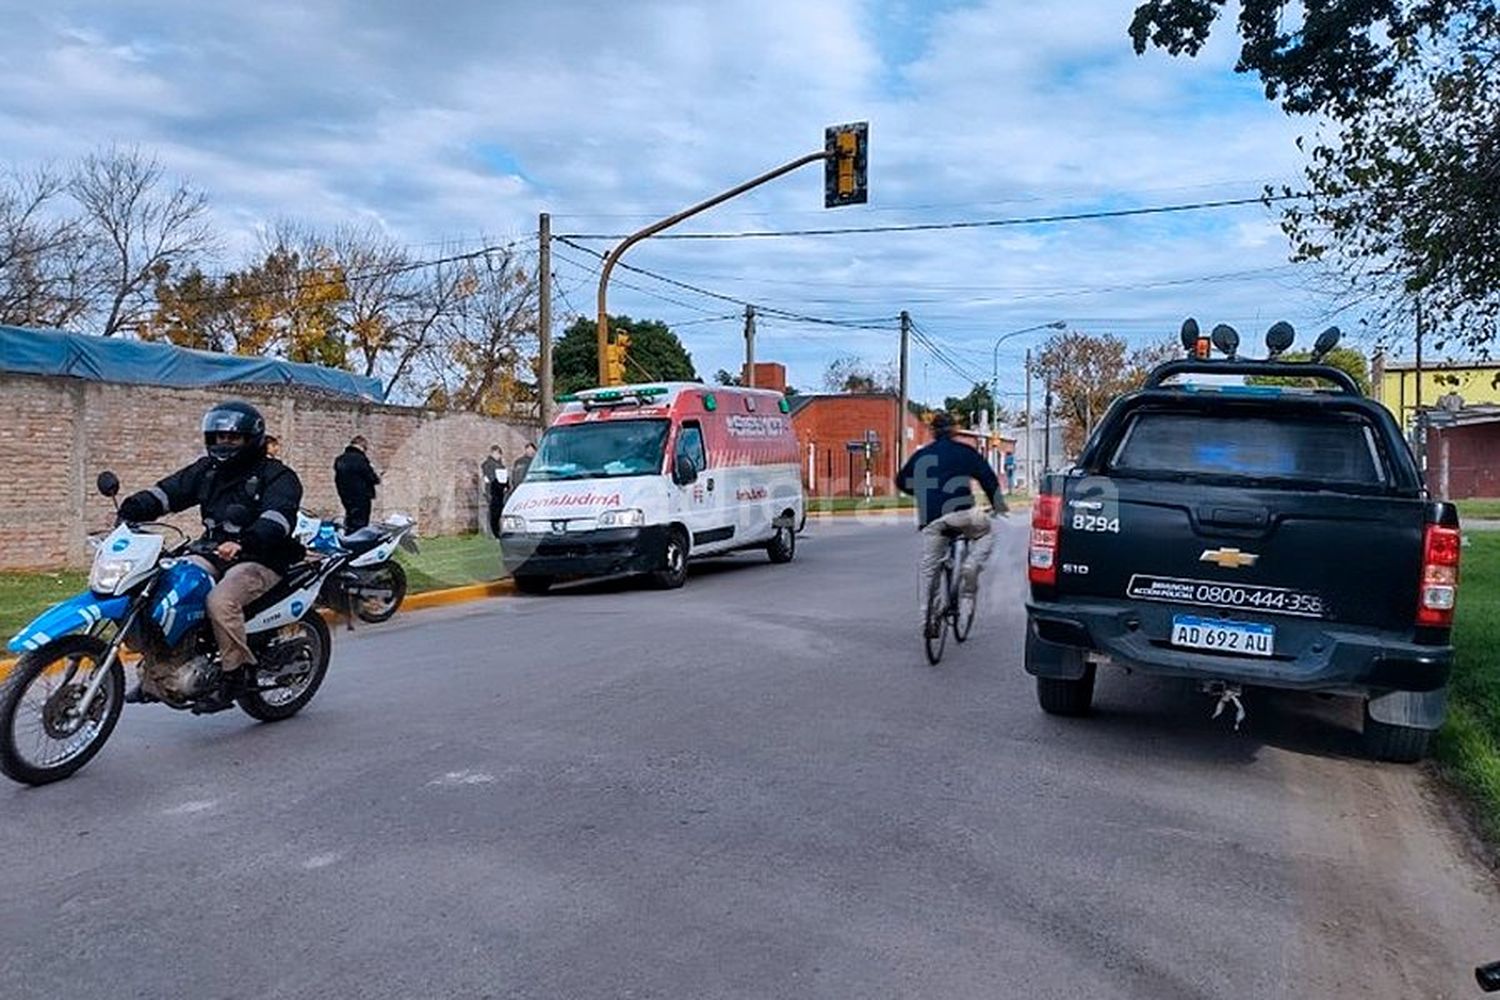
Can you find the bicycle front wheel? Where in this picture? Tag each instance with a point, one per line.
(935, 635)
(965, 604)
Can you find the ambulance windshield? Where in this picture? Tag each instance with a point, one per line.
(602, 450)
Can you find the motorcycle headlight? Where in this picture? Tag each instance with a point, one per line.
(512, 522)
(629, 517)
(108, 574)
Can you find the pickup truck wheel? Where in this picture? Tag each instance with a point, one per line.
(1059, 696)
(1399, 744)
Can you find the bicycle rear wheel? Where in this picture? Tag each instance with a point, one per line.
(935, 635)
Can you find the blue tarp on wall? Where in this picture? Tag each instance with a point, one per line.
(55, 352)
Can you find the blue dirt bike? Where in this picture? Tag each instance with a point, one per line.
(61, 699)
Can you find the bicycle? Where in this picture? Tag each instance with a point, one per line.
(948, 604)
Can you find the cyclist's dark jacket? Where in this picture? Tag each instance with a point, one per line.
(938, 476)
(269, 492)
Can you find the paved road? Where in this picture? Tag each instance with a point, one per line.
(754, 787)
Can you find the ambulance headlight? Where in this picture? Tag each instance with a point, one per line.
(629, 517)
(512, 522)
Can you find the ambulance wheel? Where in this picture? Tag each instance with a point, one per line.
(783, 545)
(673, 572)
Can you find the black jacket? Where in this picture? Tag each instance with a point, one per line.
(939, 474)
(354, 477)
(267, 492)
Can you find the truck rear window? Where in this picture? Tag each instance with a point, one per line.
(1323, 450)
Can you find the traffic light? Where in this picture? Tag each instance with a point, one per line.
(844, 178)
(614, 358)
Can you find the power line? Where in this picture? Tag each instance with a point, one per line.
(916, 227)
(759, 307)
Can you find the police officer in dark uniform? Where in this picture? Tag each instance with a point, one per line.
(249, 504)
(355, 479)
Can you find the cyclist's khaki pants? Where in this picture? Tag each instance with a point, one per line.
(975, 525)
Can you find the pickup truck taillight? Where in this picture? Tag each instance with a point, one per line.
(1046, 521)
(1440, 548)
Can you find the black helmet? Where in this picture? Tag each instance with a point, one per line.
(234, 417)
(941, 424)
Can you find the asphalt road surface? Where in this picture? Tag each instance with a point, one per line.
(753, 787)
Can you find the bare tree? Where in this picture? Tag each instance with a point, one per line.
(485, 356)
(44, 274)
(140, 229)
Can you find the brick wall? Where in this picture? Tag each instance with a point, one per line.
(57, 433)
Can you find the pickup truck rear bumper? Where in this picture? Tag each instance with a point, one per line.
(1311, 655)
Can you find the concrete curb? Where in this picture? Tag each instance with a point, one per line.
(413, 602)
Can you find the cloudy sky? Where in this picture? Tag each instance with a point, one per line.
(451, 122)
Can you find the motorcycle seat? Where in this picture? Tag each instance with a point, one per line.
(362, 540)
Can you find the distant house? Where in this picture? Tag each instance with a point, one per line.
(1395, 384)
(833, 430)
(1463, 452)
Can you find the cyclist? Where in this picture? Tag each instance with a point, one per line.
(938, 475)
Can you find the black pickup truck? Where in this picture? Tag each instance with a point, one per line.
(1248, 534)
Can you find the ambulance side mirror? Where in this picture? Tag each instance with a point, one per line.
(684, 471)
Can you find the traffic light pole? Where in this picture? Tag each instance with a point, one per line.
(672, 220)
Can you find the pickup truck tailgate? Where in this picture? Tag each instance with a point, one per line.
(1340, 558)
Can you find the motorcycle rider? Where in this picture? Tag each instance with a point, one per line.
(939, 476)
(249, 503)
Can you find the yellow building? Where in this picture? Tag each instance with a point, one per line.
(1396, 385)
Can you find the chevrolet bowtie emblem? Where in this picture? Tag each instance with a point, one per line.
(1228, 558)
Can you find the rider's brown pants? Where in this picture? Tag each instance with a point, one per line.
(241, 583)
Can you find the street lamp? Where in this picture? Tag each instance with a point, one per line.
(1056, 324)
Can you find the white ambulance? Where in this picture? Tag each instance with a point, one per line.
(642, 478)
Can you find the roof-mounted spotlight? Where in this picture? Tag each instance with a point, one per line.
(1226, 339)
(1327, 341)
(1279, 338)
(1190, 335)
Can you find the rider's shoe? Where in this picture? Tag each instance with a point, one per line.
(138, 695)
(230, 686)
(931, 627)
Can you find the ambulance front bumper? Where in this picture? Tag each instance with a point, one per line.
(599, 552)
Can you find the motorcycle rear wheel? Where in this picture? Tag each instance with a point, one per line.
(308, 668)
(378, 609)
(58, 666)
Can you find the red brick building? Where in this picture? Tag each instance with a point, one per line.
(832, 430)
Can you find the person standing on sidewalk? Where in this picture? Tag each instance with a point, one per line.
(355, 479)
(496, 478)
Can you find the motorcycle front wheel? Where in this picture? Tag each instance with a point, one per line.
(43, 735)
(390, 580)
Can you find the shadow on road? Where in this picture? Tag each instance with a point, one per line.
(1173, 716)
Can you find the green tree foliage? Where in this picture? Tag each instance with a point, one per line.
(1404, 163)
(966, 408)
(655, 354)
(1346, 359)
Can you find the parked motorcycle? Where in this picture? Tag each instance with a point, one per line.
(373, 584)
(63, 696)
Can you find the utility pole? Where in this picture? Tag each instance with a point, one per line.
(1047, 433)
(1421, 428)
(544, 316)
(750, 346)
(1030, 432)
(901, 408)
